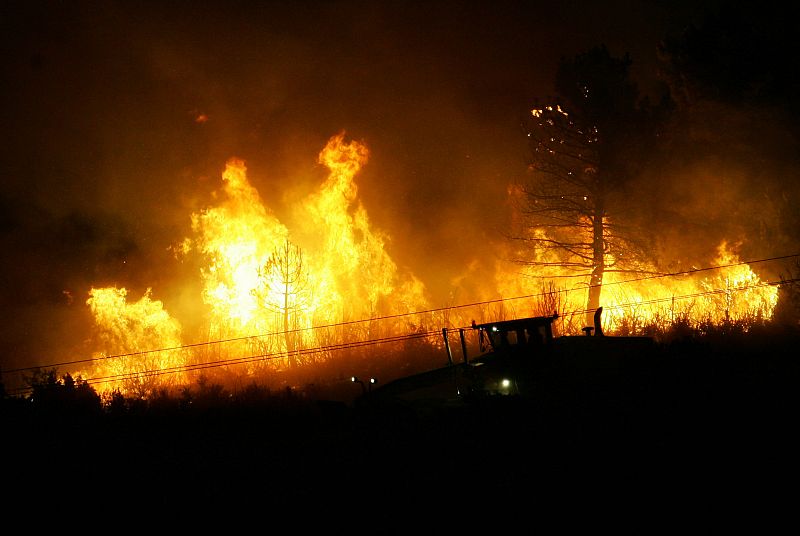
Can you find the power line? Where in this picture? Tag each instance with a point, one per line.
(371, 342)
(401, 315)
(249, 359)
(259, 357)
(686, 296)
(656, 275)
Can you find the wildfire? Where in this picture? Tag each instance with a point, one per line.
(266, 286)
(279, 295)
(636, 304)
(136, 329)
(731, 293)
(236, 238)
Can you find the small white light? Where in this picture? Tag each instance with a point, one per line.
(494, 328)
(506, 382)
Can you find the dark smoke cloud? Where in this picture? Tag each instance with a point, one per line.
(119, 116)
(725, 177)
(727, 168)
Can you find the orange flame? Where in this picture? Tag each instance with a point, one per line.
(264, 289)
(134, 329)
(272, 291)
(636, 304)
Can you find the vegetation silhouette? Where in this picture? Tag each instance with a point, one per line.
(711, 408)
(587, 145)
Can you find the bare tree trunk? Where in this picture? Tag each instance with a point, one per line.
(598, 265)
(288, 336)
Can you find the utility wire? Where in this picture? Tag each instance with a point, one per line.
(383, 340)
(401, 315)
(248, 359)
(259, 357)
(686, 296)
(657, 275)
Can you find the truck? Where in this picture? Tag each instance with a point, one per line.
(517, 357)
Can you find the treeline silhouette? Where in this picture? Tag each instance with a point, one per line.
(709, 416)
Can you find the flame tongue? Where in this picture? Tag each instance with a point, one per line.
(352, 262)
(262, 279)
(137, 328)
(237, 238)
(633, 304)
(257, 281)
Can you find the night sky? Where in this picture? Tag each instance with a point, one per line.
(105, 156)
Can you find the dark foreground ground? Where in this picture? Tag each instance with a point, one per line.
(694, 438)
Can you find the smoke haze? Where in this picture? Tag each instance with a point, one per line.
(119, 118)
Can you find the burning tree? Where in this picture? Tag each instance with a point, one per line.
(284, 290)
(585, 151)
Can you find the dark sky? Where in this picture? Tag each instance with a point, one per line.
(102, 161)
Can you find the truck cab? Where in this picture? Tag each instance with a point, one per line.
(512, 351)
(516, 357)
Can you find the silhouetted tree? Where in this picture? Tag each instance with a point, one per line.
(736, 55)
(734, 80)
(285, 290)
(586, 145)
(50, 392)
(116, 403)
(203, 394)
(787, 311)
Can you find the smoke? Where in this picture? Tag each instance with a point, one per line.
(120, 117)
(723, 173)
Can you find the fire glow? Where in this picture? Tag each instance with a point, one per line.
(259, 280)
(731, 293)
(277, 290)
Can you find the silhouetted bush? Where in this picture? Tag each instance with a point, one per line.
(65, 394)
(204, 394)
